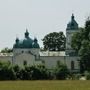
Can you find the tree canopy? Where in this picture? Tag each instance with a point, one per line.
(54, 41)
(6, 50)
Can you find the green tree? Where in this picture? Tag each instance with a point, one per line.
(6, 71)
(6, 50)
(45, 73)
(81, 43)
(17, 71)
(54, 41)
(61, 71)
(77, 39)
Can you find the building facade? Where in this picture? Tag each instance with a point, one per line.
(28, 50)
(72, 27)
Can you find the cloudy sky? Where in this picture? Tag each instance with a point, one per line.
(39, 17)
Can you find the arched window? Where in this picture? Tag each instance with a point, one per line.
(24, 62)
(72, 65)
(22, 51)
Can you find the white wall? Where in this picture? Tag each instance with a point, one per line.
(19, 59)
(51, 61)
(72, 58)
(69, 34)
(6, 58)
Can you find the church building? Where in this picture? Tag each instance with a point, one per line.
(27, 50)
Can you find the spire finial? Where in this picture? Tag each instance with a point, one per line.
(26, 30)
(26, 33)
(35, 39)
(17, 39)
(72, 16)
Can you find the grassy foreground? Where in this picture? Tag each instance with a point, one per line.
(45, 85)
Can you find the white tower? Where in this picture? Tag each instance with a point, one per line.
(72, 27)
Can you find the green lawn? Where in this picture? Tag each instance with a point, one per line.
(45, 85)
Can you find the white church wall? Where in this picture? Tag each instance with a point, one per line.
(20, 51)
(69, 59)
(36, 51)
(27, 51)
(51, 61)
(69, 34)
(19, 60)
(6, 58)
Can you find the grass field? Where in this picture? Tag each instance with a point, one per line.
(45, 85)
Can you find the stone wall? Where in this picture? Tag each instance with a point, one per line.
(51, 61)
(6, 58)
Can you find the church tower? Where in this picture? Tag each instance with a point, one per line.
(72, 27)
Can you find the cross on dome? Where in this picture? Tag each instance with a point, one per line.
(72, 16)
(26, 33)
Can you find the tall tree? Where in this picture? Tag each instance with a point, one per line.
(54, 41)
(81, 43)
(77, 39)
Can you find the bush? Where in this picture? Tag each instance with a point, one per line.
(61, 71)
(6, 72)
(39, 72)
(87, 75)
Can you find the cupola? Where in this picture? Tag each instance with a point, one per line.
(35, 43)
(72, 25)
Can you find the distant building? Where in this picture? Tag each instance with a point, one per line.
(28, 50)
(72, 27)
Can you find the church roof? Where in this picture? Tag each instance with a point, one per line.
(35, 43)
(27, 42)
(72, 25)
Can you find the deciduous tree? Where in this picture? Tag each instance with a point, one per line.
(54, 41)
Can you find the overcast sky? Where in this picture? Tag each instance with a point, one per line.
(39, 17)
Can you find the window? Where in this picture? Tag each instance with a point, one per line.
(22, 51)
(29, 52)
(72, 65)
(24, 62)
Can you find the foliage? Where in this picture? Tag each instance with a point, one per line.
(38, 72)
(77, 39)
(87, 75)
(17, 71)
(6, 50)
(81, 43)
(54, 41)
(6, 72)
(61, 71)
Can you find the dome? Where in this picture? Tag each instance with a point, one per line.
(72, 25)
(35, 44)
(27, 42)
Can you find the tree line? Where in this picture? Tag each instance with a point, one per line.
(37, 72)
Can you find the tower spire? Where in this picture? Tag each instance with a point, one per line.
(72, 17)
(26, 33)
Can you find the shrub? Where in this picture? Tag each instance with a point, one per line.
(61, 71)
(6, 72)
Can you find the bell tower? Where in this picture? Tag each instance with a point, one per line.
(72, 27)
